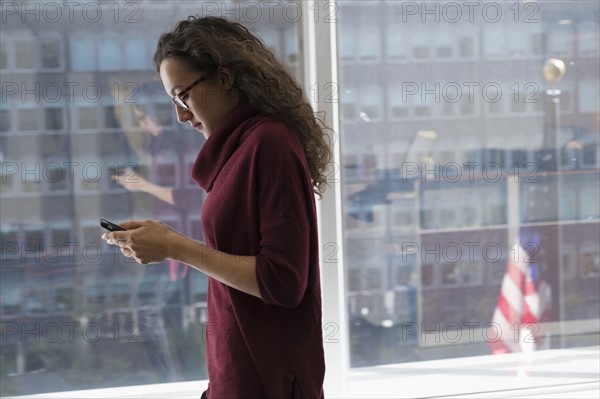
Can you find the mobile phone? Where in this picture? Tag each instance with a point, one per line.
(110, 226)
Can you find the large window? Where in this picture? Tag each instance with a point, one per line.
(461, 167)
(460, 163)
(74, 313)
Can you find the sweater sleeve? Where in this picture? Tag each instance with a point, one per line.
(284, 218)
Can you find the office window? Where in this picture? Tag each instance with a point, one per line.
(399, 107)
(421, 43)
(403, 213)
(5, 118)
(347, 46)
(589, 95)
(427, 275)
(37, 301)
(291, 46)
(83, 52)
(64, 299)
(566, 96)
(12, 302)
(461, 189)
(51, 53)
(561, 38)
(467, 41)
(394, 290)
(590, 264)
(109, 52)
(24, 52)
(68, 154)
(110, 117)
(588, 38)
(590, 204)
(496, 102)
(396, 43)
(87, 117)
(369, 43)
(538, 43)
(271, 39)
(27, 119)
(54, 118)
(95, 296)
(349, 109)
(494, 41)
(136, 53)
(517, 47)
(370, 97)
(3, 55)
(443, 45)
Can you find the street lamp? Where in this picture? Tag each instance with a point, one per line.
(553, 71)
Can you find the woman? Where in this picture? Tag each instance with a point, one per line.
(264, 158)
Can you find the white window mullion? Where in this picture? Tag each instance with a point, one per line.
(320, 68)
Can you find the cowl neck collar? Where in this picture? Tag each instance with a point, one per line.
(222, 143)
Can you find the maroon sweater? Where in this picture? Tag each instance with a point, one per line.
(260, 203)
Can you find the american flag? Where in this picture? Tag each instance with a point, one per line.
(523, 304)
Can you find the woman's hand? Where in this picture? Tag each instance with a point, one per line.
(151, 241)
(146, 241)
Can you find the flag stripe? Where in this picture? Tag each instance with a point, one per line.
(520, 303)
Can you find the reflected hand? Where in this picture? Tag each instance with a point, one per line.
(131, 181)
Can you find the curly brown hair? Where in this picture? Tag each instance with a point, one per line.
(208, 43)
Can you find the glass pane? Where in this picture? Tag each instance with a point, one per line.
(136, 53)
(3, 59)
(461, 164)
(96, 124)
(109, 53)
(83, 53)
(24, 56)
(28, 119)
(5, 121)
(51, 53)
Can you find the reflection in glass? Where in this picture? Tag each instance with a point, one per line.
(494, 179)
(86, 135)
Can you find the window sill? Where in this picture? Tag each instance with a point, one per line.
(557, 373)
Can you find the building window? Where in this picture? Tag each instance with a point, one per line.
(87, 117)
(54, 118)
(421, 44)
(347, 46)
(494, 41)
(369, 44)
(561, 38)
(24, 53)
(291, 46)
(51, 53)
(109, 53)
(3, 55)
(588, 38)
(396, 41)
(370, 97)
(5, 117)
(27, 120)
(136, 53)
(83, 52)
(589, 95)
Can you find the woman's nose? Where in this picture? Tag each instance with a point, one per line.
(183, 115)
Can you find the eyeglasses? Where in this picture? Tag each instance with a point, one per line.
(178, 99)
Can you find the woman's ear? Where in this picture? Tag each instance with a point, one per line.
(226, 77)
